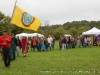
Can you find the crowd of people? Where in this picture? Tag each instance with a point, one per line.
(42, 43)
(10, 46)
(80, 41)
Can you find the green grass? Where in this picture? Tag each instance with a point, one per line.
(78, 61)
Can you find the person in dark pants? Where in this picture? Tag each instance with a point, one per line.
(46, 42)
(38, 43)
(13, 47)
(1, 53)
(5, 43)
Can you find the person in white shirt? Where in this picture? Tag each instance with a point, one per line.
(88, 41)
(85, 41)
(50, 39)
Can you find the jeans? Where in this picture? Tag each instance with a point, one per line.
(38, 47)
(63, 46)
(88, 44)
(18, 50)
(50, 46)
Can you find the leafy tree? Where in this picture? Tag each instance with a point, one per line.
(59, 32)
(1, 16)
(73, 32)
(6, 20)
(81, 29)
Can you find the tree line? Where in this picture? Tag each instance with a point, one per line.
(74, 28)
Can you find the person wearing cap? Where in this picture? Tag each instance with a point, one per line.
(5, 43)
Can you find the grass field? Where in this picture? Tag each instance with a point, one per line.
(78, 61)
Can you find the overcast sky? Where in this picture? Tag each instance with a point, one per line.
(56, 11)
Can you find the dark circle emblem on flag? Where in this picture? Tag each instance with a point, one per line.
(27, 19)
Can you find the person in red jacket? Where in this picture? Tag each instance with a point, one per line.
(5, 43)
(33, 41)
(24, 46)
(1, 51)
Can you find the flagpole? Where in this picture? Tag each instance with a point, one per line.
(14, 8)
(12, 15)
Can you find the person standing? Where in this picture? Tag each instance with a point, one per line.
(43, 48)
(69, 42)
(85, 41)
(33, 42)
(38, 43)
(24, 46)
(73, 43)
(78, 42)
(91, 41)
(82, 41)
(18, 45)
(5, 43)
(60, 42)
(46, 42)
(53, 42)
(98, 40)
(13, 47)
(50, 39)
(88, 41)
(64, 43)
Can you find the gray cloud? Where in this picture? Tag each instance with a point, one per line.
(56, 11)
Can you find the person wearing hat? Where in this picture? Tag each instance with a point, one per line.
(5, 43)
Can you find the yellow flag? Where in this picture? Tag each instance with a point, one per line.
(25, 20)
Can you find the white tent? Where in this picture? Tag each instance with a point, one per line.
(35, 34)
(67, 35)
(22, 34)
(94, 31)
(29, 35)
